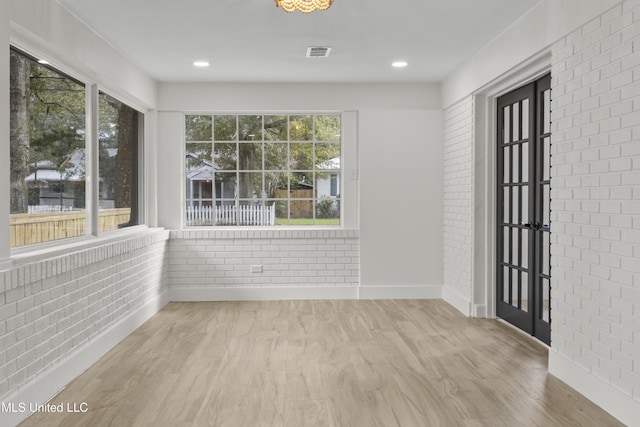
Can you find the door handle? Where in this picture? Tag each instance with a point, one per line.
(531, 225)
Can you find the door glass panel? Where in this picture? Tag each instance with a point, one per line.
(546, 159)
(525, 205)
(545, 205)
(547, 111)
(505, 241)
(516, 122)
(525, 119)
(507, 129)
(545, 253)
(524, 292)
(514, 287)
(525, 162)
(515, 206)
(546, 292)
(507, 206)
(514, 246)
(507, 164)
(515, 160)
(524, 263)
(505, 285)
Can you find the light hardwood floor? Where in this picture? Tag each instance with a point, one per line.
(323, 363)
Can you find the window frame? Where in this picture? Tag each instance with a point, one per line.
(237, 199)
(91, 145)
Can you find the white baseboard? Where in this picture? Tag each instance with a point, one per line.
(457, 300)
(401, 292)
(479, 311)
(179, 294)
(48, 384)
(612, 400)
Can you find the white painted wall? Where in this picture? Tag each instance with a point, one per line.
(392, 168)
(401, 198)
(538, 29)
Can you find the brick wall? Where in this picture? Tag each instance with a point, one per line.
(289, 258)
(458, 200)
(51, 308)
(596, 198)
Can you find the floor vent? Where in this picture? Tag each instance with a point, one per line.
(318, 52)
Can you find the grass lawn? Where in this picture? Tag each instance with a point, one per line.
(308, 221)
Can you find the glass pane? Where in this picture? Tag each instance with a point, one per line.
(525, 119)
(226, 155)
(255, 213)
(507, 128)
(525, 205)
(301, 156)
(506, 250)
(250, 128)
(282, 212)
(327, 127)
(250, 185)
(301, 185)
(47, 154)
(546, 120)
(546, 159)
(515, 157)
(545, 254)
(250, 156)
(225, 128)
(275, 128)
(301, 128)
(301, 212)
(516, 122)
(546, 299)
(525, 162)
(507, 205)
(506, 161)
(199, 213)
(328, 211)
(198, 128)
(119, 134)
(276, 185)
(327, 156)
(327, 184)
(506, 277)
(226, 185)
(226, 213)
(545, 205)
(514, 246)
(515, 288)
(524, 262)
(515, 206)
(275, 155)
(524, 294)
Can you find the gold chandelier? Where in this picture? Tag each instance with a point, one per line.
(304, 6)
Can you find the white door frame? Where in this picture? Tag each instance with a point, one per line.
(485, 134)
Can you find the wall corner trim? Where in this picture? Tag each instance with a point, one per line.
(609, 398)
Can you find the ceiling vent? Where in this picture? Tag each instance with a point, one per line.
(318, 52)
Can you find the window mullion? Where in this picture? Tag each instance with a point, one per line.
(92, 160)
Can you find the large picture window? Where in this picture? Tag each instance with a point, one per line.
(48, 157)
(263, 170)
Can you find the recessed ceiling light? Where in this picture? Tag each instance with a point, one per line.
(201, 64)
(399, 64)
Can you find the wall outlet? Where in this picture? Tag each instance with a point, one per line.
(256, 269)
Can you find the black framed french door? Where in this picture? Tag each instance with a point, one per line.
(523, 208)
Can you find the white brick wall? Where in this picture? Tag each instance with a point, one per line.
(596, 197)
(458, 198)
(50, 308)
(289, 258)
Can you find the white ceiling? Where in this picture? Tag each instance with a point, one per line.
(254, 41)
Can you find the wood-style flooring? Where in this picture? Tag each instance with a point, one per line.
(322, 363)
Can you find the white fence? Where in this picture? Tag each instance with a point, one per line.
(231, 215)
(36, 209)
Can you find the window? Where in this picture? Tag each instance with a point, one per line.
(263, 170)
(49, 167)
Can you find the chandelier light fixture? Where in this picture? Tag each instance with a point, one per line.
(304, 6)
